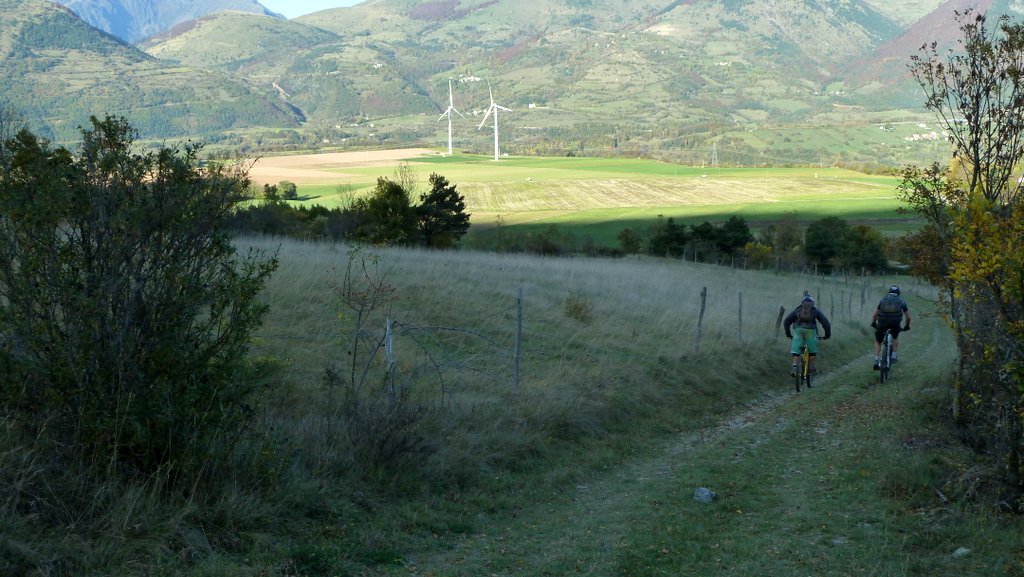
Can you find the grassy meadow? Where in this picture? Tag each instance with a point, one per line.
(587, 464)
(428, 456)
(463, 413)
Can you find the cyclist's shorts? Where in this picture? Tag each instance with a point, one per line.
(893, 326)
(802, 336)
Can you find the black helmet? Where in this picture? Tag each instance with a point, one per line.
(894, 290)
(808, 299)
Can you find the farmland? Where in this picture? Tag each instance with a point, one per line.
(597, 197)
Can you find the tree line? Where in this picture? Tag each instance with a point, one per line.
(386, 217)
(826, 245)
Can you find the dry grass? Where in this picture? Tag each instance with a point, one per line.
(643, 306)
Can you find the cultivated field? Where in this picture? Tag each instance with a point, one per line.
(597, 197)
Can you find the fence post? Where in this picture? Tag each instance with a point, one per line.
(778, 321)
(389, 355)
(739, 328)
(519, 336)
(700, 319)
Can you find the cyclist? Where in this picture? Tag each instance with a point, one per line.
(887, 316)
(804, 319)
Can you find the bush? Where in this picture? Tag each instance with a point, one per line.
(124, 309)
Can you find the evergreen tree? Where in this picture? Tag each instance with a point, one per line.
(443, 219)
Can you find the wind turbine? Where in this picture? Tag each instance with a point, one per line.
(494, 107)
(448, 113)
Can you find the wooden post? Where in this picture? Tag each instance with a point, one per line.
(700, 319)
(389, 355)
(863, 293)
(739, 321)
(519, 336)
(778, 321)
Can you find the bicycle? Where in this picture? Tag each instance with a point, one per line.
(803, 372)
(885, 357)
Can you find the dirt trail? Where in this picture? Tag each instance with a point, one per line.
(581, 536)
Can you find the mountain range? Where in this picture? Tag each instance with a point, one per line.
(657, 77)
(134, 20)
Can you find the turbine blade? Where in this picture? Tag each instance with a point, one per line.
(486, 116)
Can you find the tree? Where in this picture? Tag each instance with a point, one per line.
(703, 237)
(288, 190)
(788, 235)
(974, 208)
(10, 122)
(630, 241)
(824, 240)
(124, 309)
(863, 248)
(733, 235)
(443, 219)
(668, 238)
(387, 215)
(978, 94)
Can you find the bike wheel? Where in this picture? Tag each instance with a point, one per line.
(883, 362)
(801, 368)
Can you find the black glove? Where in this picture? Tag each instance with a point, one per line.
(789, 335)
(906, 328)
(874, 324)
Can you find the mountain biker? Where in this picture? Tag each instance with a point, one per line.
(887, 316)
(804, 320)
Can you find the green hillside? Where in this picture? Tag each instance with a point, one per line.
(653, 78)
(236, 42)
(657, 78)
(66, 71)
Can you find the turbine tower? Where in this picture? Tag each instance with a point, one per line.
(448, 113)
(493, 108)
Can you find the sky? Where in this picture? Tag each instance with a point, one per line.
(295, 8)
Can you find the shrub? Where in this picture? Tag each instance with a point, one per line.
(124, 307)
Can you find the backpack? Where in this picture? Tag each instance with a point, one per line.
(890, 307)
(806, 312)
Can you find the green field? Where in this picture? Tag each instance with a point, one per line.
(598, 197)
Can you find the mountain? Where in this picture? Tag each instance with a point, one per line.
(60, 71)
(133, 20)
(586, 73)
(905, 12)
(237, 42)
(781, 79)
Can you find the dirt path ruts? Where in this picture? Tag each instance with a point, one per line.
(585, 532)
